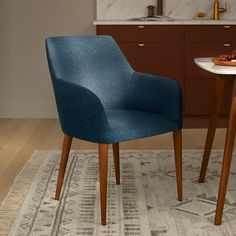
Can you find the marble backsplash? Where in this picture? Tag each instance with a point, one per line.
(179, 9)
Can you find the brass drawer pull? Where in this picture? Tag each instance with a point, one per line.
(227, 44)
(140, 26)
(227, 26)
(141, 44)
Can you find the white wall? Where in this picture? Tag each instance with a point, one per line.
(25, 86)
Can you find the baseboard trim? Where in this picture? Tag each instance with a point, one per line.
(15, 109)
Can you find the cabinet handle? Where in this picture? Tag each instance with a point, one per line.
(140, 26)
(227, 26)
(141, 44)
(227, 44)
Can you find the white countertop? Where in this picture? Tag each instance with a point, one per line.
(165, 22)
(207, 64)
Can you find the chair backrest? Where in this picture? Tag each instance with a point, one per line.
(93, 62)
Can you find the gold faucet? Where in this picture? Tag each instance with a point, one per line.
(218, 10)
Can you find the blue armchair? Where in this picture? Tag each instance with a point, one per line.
(101, 99)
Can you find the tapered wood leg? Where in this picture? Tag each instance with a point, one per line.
(64, 158)
(103, 165)
(229, 145)
(218, 96)
(116, 155)
(177, 137)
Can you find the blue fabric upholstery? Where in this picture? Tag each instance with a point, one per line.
(101, 99)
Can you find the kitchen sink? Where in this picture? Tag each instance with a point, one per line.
(152, 18)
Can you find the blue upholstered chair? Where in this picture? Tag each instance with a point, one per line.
(101, 99)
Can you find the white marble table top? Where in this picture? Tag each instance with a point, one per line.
(208, 65)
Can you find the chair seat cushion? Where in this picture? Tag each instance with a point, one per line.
(131, 124)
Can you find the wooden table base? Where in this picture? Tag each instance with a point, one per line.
(228, 151)
(218, 97)
(229, 143)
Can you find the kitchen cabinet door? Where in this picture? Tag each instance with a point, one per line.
(199, 95)
(155, 58)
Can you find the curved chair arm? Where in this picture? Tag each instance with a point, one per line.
(155, 94)
(81, 112)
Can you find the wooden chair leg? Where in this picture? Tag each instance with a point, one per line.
(116, 155)
(177, 137)
(218, 97)
(64, 158)
(103, 166)
(229, 145)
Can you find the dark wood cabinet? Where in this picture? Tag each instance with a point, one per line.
(148, 48)
(199, 97)
(205, 41)
(151, 57)
(210, 33)
(169, 50)
(143, 33)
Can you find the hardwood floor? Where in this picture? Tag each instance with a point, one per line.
(20, 137)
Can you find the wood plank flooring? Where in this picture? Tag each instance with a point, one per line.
(20, 137)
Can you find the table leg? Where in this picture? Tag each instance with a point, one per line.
(218, 97)
(229, 145)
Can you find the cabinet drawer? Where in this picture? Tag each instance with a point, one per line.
(199, 97)
(193, 50)
(155, 58)
(213, 33)
(144, 33)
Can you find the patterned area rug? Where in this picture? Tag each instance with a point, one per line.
(144, 204)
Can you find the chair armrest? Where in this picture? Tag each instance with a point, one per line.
(155, 94)
(81, 112)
